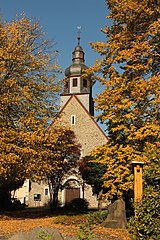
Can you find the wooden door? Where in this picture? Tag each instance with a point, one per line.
(72, 193)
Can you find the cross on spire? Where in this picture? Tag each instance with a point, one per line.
(79, 34)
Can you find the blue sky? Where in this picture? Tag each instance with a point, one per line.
(60, 20)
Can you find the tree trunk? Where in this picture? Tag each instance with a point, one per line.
(55, 197)
(100, 200)
(5, 199)
(53, 189)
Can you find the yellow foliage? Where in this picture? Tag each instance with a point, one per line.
(129, 104)
(28, 89)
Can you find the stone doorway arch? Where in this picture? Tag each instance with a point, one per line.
(72, 189)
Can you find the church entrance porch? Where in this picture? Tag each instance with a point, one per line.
(72, 189)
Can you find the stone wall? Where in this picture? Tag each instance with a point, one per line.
(87, 132)
(38, 188)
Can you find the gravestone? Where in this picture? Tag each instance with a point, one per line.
(116, 215)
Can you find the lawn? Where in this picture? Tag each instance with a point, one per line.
(68, 223)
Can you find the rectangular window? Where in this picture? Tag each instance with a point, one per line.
(73, 120)
(46, 191)
(74, 82)
(85, 83)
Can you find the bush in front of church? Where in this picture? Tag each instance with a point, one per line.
(78, 204)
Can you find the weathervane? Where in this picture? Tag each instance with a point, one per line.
(79, 34)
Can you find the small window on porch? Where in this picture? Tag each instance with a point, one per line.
(46, 192)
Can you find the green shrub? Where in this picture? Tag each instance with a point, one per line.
(78, 204)
(85, 232)
(145, 224)
(97, 217)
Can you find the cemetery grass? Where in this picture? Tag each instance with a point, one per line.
(67, 222)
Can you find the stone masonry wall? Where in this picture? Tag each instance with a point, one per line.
(87, 132)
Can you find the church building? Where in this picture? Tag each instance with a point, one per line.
(76, 113)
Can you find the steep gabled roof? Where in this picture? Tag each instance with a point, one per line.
(92, 119)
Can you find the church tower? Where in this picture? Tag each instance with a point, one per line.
(75, 83)
(77, 111)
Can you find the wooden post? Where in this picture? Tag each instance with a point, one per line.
(138, 166)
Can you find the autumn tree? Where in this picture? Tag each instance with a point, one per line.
(92, 173)
(28, 93)
(129, 105)
(55, 156)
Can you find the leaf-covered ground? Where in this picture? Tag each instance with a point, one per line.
(66, 223)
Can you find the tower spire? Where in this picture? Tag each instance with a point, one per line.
(79, 34)
(75, 83)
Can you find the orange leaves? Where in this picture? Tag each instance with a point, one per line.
(129, 104)
(28, 94)
(14, 157)
(117, 178)
(53, 147)
(28, 72)
(68, 225)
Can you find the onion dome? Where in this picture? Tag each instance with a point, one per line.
(77, 66)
